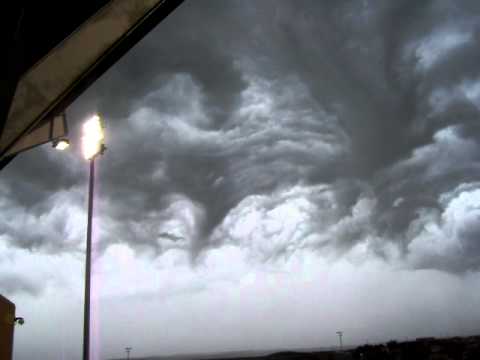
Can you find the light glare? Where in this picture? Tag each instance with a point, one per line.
(62, 145)
(93, 136)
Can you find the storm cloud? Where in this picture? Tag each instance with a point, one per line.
(333, 125)
(275, 171)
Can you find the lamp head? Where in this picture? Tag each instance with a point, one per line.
(93, 137)
(61, 144)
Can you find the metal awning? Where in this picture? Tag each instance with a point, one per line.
(69, 51)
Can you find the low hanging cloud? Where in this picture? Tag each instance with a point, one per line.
(278, 126)
(299, 218)
(448, 239)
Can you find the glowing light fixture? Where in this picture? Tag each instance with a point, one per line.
(92, 145)
(93, 137)
(61, 144)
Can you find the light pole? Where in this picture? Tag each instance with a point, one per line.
(127, 350)
(92, 145)
(340, 335)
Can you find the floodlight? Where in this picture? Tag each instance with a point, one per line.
(92, 138)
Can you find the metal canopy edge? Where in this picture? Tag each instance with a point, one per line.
(67, 70)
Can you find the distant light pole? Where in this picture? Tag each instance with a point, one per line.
(92, 145)
(127, 350)
(340, 335)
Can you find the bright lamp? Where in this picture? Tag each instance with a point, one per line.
(61, 144)
(93, 137)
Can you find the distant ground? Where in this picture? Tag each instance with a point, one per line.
(283, 355)
(455, 348)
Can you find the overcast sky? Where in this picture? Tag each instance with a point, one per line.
(276, 171)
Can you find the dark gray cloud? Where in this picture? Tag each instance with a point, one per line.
(362, 109)
(41, 215)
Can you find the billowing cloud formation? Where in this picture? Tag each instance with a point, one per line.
(278, 126)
